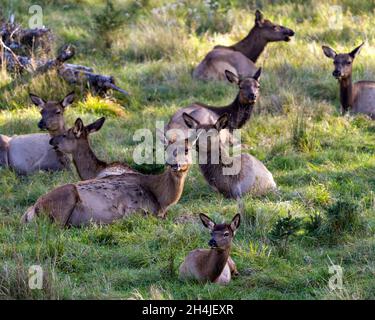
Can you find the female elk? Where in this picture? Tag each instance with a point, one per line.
(241, 57)
(358, 97)
(247, 174)
(32, 152)
(239, 110)
(118, 196)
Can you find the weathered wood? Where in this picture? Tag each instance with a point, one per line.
(71, 73)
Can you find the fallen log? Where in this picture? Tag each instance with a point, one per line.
(71, 73)
(24, 41)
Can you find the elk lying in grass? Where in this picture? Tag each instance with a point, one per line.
(241, 57)
(215, 264)
(239, 110)
(249, 174)
(32, 152)
(358, 97)
(75, 141)
(115, 197)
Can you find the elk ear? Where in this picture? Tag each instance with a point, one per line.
(207, 222)
(190, 121)
(329, 52)
(357, 50)
(236, 221)
(222, 122)
(78, 127)
(257, 74)
(232, 78)
(95, 126)
(37, 100)
(69, 98)
(258, 17)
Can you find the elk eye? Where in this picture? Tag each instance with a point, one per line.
(58, 112)
(226, 234)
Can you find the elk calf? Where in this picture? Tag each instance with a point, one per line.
(32, 152)
(75, 141)
(241, 57)
(358, 97)
(215, 264)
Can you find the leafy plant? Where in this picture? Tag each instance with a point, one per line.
(284, 228)
(109, 21)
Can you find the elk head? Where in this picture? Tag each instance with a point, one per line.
(71, 140)
(343, 62)
(270, 31)
(221, 234)
(248, 86)
(52, 113)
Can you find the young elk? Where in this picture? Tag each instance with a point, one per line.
(241, 57)
(32, 152)
(358, 97)
(116, 197)
(239, 110)
(248, 175)
(75, 141)
(215, 264)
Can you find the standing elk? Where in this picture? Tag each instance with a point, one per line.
(215, 264)
(75, 141)
(358, 97)
(32, 152)
(241, 57)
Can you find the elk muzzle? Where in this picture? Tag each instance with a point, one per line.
(288, 33)
(212, 243)
(337, 74)
(42, 125)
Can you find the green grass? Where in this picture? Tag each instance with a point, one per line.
(324, 164)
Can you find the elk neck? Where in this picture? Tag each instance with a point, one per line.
(252, 45)
(86, 162)
(238, 112)
(217, 259)
(167, 187)
(346, 93)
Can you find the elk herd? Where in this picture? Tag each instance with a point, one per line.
(112, 191)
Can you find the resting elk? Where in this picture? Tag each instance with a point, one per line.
(32, 152)
(215, 264)
(105, 200)
(239, 110)
(358, 97)
(75, 142)
(248, 175)
(241, 57)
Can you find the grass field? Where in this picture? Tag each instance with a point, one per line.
(323, 163)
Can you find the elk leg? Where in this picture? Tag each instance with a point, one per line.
(58, 204)
(232, 267)
(4, 147)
